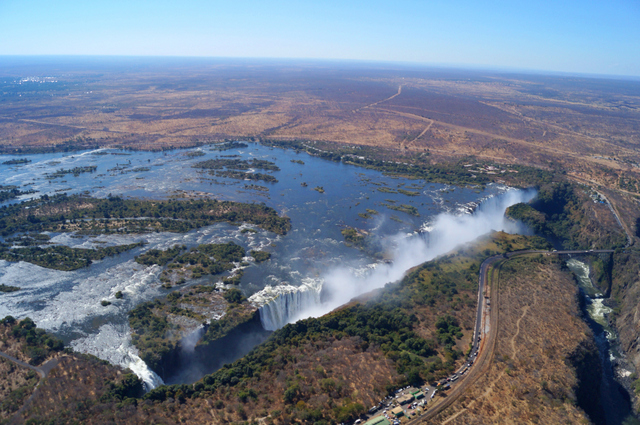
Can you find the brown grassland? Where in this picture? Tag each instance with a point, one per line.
(585, 125)
(542, 368)
(531, 379)
(585, 129)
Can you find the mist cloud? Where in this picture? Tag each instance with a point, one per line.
(448, 232)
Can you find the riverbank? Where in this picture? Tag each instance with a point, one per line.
(615, 384)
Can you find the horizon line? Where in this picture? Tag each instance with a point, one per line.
(452, 66)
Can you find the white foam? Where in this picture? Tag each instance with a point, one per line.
(83, 300)
(283, 304)
(112, 344)
(598, 311)
(581, 270)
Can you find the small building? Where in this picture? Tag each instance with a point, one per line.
(407, 398)
(378, 420)
(397, 412)
(418, 395)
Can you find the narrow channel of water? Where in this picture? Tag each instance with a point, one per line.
(615, 398)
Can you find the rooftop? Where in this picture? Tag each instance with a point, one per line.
(378, 420)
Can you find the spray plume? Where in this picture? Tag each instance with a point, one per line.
(448, 232)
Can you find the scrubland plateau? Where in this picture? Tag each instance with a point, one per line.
(575, 139)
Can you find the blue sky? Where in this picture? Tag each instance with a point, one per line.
(597, 37)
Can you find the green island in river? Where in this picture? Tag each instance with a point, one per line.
(85, 215)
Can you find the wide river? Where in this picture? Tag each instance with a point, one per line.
(313, 254)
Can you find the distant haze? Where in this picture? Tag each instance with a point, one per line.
(592, 37)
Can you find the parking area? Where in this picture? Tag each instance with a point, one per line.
(405, 404)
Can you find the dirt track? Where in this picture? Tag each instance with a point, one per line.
(43, 371)
(380, 101)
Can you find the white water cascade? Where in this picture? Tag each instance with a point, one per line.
(283, 304)
(139, 367)
(112, 344)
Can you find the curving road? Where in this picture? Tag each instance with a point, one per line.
(43, 371)
(484, 346)
(40, 371)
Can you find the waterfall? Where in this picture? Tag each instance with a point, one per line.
(112, 344)
(139, 367)
(282, 304)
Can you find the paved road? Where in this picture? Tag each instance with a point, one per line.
(43, 371)
(485, 347)
(594, 184)
(630, 240)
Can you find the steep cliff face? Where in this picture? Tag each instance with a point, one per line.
(600, 271)
(235, 344)
(194, 355)
(546, 367)
(566, 215)
(588, 369)
(283, 304)
(626, 293)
